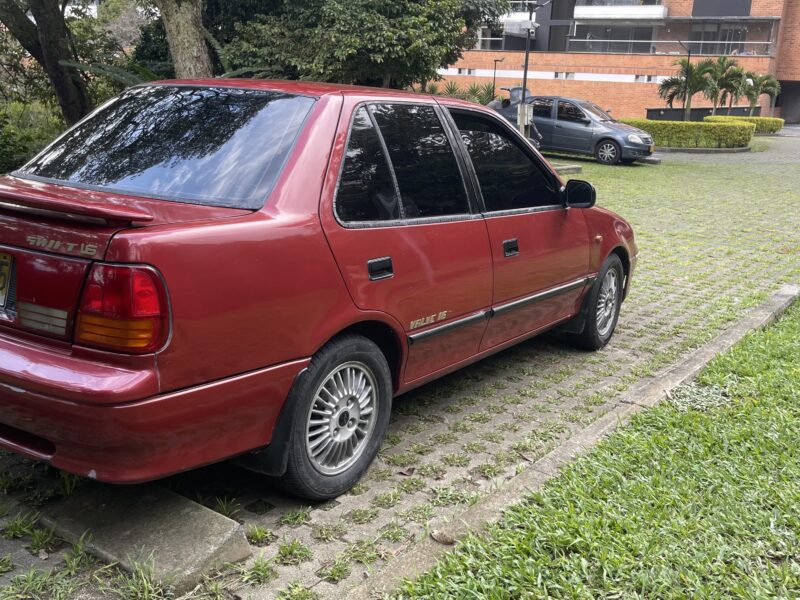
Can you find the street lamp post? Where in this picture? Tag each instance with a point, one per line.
(494, 75)
(533, 6)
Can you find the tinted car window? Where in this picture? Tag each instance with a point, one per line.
(215, 146)
(366, 190)
(424, 164)
(508, 176)
(543, 107)
(567, 111)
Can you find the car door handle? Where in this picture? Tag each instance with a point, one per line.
(511, 247)
(380, 268)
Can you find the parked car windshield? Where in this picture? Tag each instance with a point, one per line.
(597, 112)
(201, 145)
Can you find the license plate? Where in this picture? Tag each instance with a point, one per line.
(5, 278)
(652, 148)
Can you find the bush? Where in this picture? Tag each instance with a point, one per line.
(24, 130)
(692, 134)
(763, 124)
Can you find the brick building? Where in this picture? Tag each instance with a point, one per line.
(616, 52)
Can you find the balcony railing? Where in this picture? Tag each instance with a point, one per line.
(676, 47)
(618, 3)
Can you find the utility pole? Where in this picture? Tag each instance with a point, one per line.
(533, 6)
(494, 76)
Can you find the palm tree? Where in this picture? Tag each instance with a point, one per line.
(721, 77)
(733, 88)
(690, 80)
(756, 85)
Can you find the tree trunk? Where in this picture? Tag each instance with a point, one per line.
(48, 42)
(714, 108)
(687, 109)
(183, 21)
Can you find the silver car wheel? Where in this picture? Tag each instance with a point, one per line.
(607, 301)
(608, 152)
(341, 418)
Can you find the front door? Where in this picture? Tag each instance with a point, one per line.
(403, 232)
(573, 129)
(540, 250)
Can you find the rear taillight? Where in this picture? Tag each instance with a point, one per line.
(123, 308)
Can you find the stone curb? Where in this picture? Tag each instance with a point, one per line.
(568, 169)
(668, 150)
(424, 554)
(141, 524)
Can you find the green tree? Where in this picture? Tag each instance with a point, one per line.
(690, 80)
(733, 88)
(371, 42)
(47, 39)
(721, 76)
(757, 85)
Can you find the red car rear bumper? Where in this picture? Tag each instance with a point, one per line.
(135, 441)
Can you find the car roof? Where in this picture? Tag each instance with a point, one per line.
(302, 88)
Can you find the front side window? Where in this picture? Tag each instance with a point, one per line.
(425, 166)
(567, 111)
(366, 190)
(508, 176)
(201, 145)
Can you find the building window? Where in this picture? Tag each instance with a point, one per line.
(466, 71)
(612, 39)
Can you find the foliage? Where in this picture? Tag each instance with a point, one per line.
(353, 41)
(21, 78)
(690, 80)
(24, 130)
(480, 93)
(692, 134)
(681, 503)
(756, 85)
(763, 124)
(722, 78)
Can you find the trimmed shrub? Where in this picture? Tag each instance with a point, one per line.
(693, 134)
(24, 130)
(763, 124)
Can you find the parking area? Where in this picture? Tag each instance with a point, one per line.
(717, 234)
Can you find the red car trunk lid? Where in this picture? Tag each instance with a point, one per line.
(50, 234)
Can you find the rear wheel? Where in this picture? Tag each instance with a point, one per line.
(602, 306)
(344, 403)
(608, 152)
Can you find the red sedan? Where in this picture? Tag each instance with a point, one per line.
(225, 268)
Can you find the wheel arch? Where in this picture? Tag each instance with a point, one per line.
(625, 258)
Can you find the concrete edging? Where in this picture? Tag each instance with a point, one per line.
(668, 150)
(138, 525)
(426, 552)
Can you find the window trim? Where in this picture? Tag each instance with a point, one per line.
(526, 149)
(404, 221)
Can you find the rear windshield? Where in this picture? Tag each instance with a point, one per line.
(213, 146)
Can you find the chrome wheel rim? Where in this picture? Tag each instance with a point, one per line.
(341, 418)
(607, 303)
(608, 152)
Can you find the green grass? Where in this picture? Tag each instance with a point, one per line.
(696, 498)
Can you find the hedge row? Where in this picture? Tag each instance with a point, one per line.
(24, 130)
(763, 124)
(693, 134)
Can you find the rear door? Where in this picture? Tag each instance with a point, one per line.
(573, 129)
(403, 232)
(543, 119)
(540, 250)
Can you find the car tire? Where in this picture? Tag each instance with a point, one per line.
(602, 306)
(608, 152)
(328, 454)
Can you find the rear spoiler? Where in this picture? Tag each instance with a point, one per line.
(67, 202)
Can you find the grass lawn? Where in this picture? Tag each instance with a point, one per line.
(699, 497)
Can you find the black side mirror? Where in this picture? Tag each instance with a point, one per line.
(579, 194)
(506, 102)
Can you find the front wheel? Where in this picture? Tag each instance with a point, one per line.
(608, 152)
(344, 403)
(602, 306)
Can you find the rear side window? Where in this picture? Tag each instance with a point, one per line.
(424, 164)
(202, 145)
(366, 190)
(508, 176)
(543, 108)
